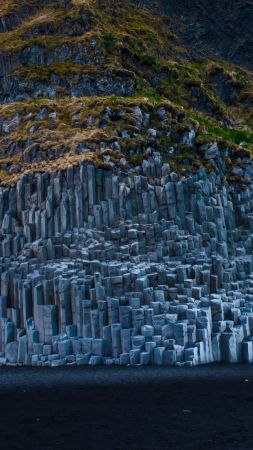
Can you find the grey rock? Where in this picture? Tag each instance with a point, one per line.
(12, 352)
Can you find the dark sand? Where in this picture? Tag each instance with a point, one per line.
(149, 408)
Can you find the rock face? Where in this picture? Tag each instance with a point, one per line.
(214, 27)
(22, 76)
(103, 268)
(126, 220)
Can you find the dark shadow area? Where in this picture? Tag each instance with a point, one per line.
(136, 408)
(214, 28)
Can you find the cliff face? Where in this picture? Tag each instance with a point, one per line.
(55, 52)
(126, 195)
(216, 28)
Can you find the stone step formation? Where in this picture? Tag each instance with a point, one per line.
(101, 267)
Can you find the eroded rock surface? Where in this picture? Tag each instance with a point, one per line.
(102, 268)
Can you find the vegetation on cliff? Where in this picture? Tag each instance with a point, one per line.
(74, 72)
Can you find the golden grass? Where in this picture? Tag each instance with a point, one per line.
(8, 6)
(152, 49)
(66, 137)
(14, 39)
(86, 3)
(61, 163)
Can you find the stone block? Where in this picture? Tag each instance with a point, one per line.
(57, 362)
(22, 349)
(134, 357)
(82, 360)
(98, 347)
(147, 331)
(229, 348)
(181, 335)
(86, 344)
(138, 342)
(65, 348)
(47, 349)
(125, 340)
(191, 354)
(124, 359)
(144, 358)
(12, 352)
(116, 339)
(158, 355)
(247, 351)
(95, 360)
(169, 357)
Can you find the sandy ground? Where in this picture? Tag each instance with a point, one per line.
(142, 408)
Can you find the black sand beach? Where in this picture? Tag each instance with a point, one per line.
(209, 407)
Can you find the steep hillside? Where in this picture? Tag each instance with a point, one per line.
(63, 49)
(221, 29)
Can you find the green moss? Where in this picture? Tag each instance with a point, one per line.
(43, 73)
(135, 159)
(108, 42)
(212, 131)
(131, 40)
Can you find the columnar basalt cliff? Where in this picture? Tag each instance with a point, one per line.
(102, 267)
(126, 197)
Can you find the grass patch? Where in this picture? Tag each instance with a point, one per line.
(213, 131)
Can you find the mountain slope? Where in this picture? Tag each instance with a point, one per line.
(64, 50)
(222, 29)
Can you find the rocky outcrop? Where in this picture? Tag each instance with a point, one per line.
(78, 71)
(15, 88)
(100, 267)
(18, 12)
